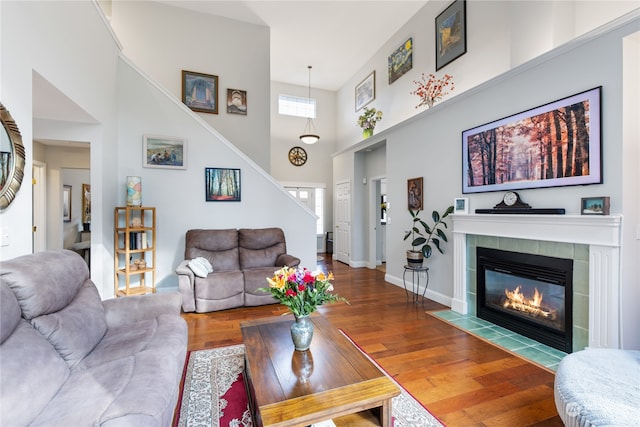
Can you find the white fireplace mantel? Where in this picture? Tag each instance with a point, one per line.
(600, 233)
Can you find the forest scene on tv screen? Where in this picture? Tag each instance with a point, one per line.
(553, 145)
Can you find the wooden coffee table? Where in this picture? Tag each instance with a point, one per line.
(329, 381)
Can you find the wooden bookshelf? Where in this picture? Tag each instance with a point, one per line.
(134, 257)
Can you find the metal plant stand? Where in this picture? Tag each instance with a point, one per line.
(415, 281)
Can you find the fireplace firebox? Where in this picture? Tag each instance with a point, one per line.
(528, 294)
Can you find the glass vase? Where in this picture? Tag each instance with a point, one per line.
(302, 333)
(366, 133)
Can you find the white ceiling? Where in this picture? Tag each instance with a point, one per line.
(335, 37)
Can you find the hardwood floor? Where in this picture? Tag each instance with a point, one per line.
(461, 379)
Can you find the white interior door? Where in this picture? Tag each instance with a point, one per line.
(305, 195)
(342, 234)
(39, 207)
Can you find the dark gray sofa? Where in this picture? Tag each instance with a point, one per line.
(69, 359)
(242, 260)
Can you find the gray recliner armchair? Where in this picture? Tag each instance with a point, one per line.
(241, 261)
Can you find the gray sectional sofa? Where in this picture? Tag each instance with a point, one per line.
(241, 259)
(67, 358)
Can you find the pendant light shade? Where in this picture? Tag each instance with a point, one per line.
(309, 135)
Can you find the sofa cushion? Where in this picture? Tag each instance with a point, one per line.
(219, 247)
(45, 282)
(255, 278)
(133, 391)
(76, 329)
(56, 294)
(260, 247)
(166, 334)
(220, 285)
(10, 314)
(31, 373)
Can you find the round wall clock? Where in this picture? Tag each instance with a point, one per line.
(297, 156)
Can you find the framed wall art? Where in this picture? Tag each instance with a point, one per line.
(451, 33)
(414, 194)
(595, 206)
(556, 144)
(401, 60)
(164, 152)
(200, 91)
(366, 91)
(222, 185)
(66, 203)
(237, 101)
(86, 204)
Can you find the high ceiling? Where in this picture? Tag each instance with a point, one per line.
(335, 37)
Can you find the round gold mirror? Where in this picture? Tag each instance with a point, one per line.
(11, 158)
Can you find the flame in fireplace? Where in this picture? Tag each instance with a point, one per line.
(516, 300)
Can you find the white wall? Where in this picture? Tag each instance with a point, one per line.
(487, 55)
(285, 132)
(429, 145)
(69, 45)
(500, 35)
(164, 40)
(89, 71)
(630, 294)
(179, 196)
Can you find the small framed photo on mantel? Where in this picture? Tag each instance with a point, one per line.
(595, 206)
(461, 206)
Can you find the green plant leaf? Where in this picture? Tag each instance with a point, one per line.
(418, 241)
(442, 235)
(436, 243)
(435, 216)
(426, 251)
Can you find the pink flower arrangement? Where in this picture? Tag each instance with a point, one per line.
(431, 89)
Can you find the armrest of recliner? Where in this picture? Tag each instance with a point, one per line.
(288, 260)
(186, 286)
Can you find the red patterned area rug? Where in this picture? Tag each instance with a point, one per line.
(213, 394)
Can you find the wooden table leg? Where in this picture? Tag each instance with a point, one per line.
(385, 414)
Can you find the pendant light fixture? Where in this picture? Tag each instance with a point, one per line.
(308, 134)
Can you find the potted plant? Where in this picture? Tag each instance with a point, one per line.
(430, 89)
(367, 121)
(422, 239)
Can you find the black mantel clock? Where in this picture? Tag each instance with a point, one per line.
(512, 204)
(512, 200)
